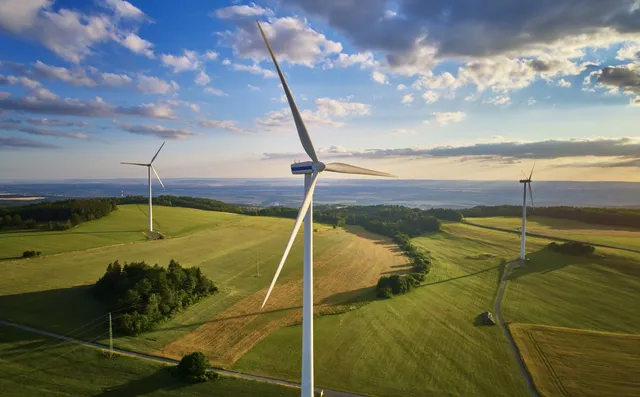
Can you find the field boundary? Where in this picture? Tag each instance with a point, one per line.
(567, 240)
(164, 360)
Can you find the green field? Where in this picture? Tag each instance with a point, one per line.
(615, 236)
(125, 225)
(422, 343)
(570, 362)
(34, 365)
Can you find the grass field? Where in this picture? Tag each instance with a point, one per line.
(125, 225)
(616, 236)
(570, 362)
(578, 292)
(33, 365)
(422, 343)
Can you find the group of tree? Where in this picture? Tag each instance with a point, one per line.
(55, 215)
(600, 216)
(194, 367)
(145, 295)
(573, 248)
(188, 202)
(388, 286)
(31, 254)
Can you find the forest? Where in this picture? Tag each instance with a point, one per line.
(144, 295)
(601, 216)
(55, 215)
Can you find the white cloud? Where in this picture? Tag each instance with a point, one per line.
(136, 44)
(12, 126)
(363, 59)
(25, 81)
(41, 93)
(563, 83)
(326, 110)
(379, 77)
(431, 96)
(125, 9)
(214, 91)
(243, 11)
(156, 130)
(202, 78)
(401, 87)
(211, 55)
(190, 60)
(253, 88)
(630, 51)
(17, 16)
(115, 80)
(444, 81)
(227, 125)
(154, 85)
(401, 131)
(407, 99)
(499, 100)
(226, 62)
(531, 101)
(254, 69)
(76, 77)
(292, 40)
(339, 108)
(445, 118)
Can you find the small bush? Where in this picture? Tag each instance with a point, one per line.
(194, 367)
(30, 254)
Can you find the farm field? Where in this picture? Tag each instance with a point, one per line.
(34, 365)
(125, 225)
(422, 343)
(570, 362)
(616, 236)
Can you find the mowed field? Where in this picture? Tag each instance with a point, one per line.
(34, 365)
(570, 362)
(422, 343)
(125, 225)
(615, 236)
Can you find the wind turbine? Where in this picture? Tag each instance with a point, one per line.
(526, 181)
(310, 170)
(149, 169)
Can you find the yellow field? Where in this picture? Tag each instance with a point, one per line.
(342, 275)
(572, 362)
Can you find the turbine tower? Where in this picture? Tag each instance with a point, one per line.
(149, 169)
(526, 182)
(310, 170)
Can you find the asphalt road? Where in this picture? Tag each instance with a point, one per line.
(327, 392)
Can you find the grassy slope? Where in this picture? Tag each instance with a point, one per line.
(580, 363)
(225, 247)
(593, 293)
(616, 236)
(423, 343)
(33, 365)
(124, 225)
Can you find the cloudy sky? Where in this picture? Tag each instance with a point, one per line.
(438, 89)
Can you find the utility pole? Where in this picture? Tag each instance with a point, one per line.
(110, 337)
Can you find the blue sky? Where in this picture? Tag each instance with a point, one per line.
(434, 90)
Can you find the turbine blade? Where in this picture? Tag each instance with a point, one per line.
(154, 157)
(296, 227)
(352, 169)
(143, 165)
(159, 180)
(532, 168)
(531, 195)
(305, 139)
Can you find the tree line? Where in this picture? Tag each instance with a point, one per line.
(55, 215)
(600, 216)
(147, 295)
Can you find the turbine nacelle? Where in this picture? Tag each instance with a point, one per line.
(307, 167)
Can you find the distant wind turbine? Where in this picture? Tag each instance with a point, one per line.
(526, 181)
(310, 170)
(149, 169)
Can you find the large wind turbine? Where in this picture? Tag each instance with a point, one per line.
(310, 170)
(149, 169)
(526, 181)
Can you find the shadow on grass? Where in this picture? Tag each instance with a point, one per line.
(459, 277)
(563, 224)
(159, 380)
(360, 295)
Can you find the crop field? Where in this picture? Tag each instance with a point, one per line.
(422, 343)
(615, 236)
(570, 362)
(34, 365)
(594, 293)
(125, 225)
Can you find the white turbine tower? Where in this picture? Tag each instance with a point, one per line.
(526, 181)
(149, 169)
(310, 170)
